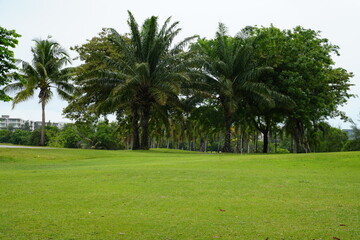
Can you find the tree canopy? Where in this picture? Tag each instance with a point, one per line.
(8, 39)
(262, 88)
(44, 74)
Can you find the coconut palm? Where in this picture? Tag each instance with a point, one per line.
(44, 74)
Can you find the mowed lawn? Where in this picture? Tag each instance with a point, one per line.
(164, 194)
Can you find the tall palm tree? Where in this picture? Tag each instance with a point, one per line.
(44, 74)
(149, 71)
(230, 73)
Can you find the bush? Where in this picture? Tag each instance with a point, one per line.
(50, 132)
(20, 137)
(69, 138)
(352, 145)
(17, 136)
(5, 136)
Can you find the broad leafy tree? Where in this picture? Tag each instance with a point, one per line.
(303, 70)
(8, 39)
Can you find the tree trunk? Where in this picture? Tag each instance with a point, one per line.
(135, 131)
(42, 137)
(189, 142)
(301, 142)
(302, 136)
(202, 144)
(219, 143)
(265, 133)
(194, 147)
(241, 143)
(264, 129)
(256, 141)
(206, 143)
(275, 141)
(248, 145)
(144, 122)
(227, 143)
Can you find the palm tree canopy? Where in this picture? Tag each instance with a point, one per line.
(230, 69)
(145, 71)
(45, 72)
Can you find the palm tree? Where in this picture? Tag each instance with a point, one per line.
(230, 74)
(149, 71)
(44, 74)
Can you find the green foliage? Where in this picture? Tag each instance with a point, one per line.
(8, 39)
(51, 132)
(18, 136)
(328, 139)
(5, 136)
(106, 136)
(303, 69)
(68, 137)
(145, 70)
(354, 144)
(102, 135)
(231, 74)
(44, 74)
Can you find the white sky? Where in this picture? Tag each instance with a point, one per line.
(71, 22)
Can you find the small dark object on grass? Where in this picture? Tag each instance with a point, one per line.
(336, 238)
(342, 225)
(222, 210)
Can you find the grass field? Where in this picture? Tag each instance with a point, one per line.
(161, 194)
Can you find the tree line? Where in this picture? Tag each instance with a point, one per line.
(109, 135)
(235, 92)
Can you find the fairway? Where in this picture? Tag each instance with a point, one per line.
(168, 194)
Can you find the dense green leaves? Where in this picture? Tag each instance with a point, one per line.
(8, 39)
(303, 70)
(264, 87)
(231, 74)
(142, 69)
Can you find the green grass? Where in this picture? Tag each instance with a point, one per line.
(160, 194)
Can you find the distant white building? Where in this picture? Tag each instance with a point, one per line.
(6, 122)
(60, 125)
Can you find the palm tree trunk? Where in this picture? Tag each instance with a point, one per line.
(42, 137)
(135, 131)
(144, 122)
(219, 142)
(256, 141)
(265, 132)
(227, 143)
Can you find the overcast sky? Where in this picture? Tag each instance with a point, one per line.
(72, 22)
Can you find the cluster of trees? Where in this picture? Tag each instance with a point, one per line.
(225, 93)
(98, 135)
(105, 135)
